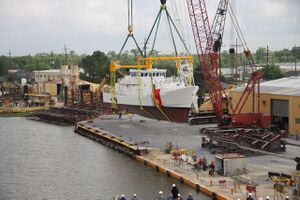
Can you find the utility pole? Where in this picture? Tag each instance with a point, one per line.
(236, 65)
(9, 60)
(296, 74)
(145, 46)
(66, 54)
(267, 75)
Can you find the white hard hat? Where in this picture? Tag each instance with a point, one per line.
(250, 194)
(173, 185)
(238, 199)
(178, 194)
(267, 197)
(134, 195)
(160, 192)
(122, 195)
(287, 197)
(260, 198)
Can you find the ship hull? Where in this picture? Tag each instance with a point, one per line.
(164, 113)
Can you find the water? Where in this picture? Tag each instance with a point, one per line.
(43, 161)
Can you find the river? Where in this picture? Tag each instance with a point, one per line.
(44, 161)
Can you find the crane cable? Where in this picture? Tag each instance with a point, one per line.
(130, 29)
(241, 37)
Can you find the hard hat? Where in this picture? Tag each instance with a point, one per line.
(287, 197)
(173, 185)
(122, 195)
(267, 197)
(134, 195)
(238, 199)
(160, 192)
(250, 194)
(178, 194)
(260, 198)
(190, 194)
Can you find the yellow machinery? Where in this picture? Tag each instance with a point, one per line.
(145, 63)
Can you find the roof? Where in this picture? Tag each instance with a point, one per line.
(289, 86)
(49, 71)
(229, 156)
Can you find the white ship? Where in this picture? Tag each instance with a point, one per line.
(150, 93)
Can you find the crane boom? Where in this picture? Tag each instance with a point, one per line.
(208, 44)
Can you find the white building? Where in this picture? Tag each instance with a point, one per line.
(47, 75)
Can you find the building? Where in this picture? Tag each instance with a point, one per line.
(55, 81)
(280, 99)
(230, 164)
(47, 75)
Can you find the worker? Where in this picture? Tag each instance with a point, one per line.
(122, 197)
(213, 196)
(190, 197)
(267, 198)
(250, 196)
(211, 168)
(287, 198)
(170, 197)
(160, 196)
(174, 191)
(179, 197)
(134, 197)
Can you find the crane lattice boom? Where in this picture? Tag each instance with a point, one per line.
(208, 44)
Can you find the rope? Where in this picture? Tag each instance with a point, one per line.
(157, 103)
(139, 93)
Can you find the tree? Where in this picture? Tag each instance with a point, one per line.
(296, 52)
(283, 55)
(95, 66)
(4, 62)
(272, 72)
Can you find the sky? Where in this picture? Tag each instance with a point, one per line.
(35, 26)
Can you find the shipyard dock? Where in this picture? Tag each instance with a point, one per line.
(145, 141)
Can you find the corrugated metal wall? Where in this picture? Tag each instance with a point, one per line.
(232, 166)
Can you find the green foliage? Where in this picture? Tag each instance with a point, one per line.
(284, 55)
(296, 52)
(95, 66)
(40, 61)
(199, 81)
(3, 65)
(272, 72)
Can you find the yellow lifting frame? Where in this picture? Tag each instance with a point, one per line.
(148, 64)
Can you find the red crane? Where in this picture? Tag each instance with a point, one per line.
(208, 42)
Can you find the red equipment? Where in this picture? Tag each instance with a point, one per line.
(208, 43)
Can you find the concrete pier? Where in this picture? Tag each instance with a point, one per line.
(144, 140)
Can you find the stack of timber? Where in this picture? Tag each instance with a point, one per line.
(243, 140)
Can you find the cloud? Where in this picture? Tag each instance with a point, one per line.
(32, 26)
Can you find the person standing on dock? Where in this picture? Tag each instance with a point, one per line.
(134, 197)
(190, 197)
(250, 196)
(179, 197)
(122, 197)
(160, 196)
(170, 197)
(174, 191)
